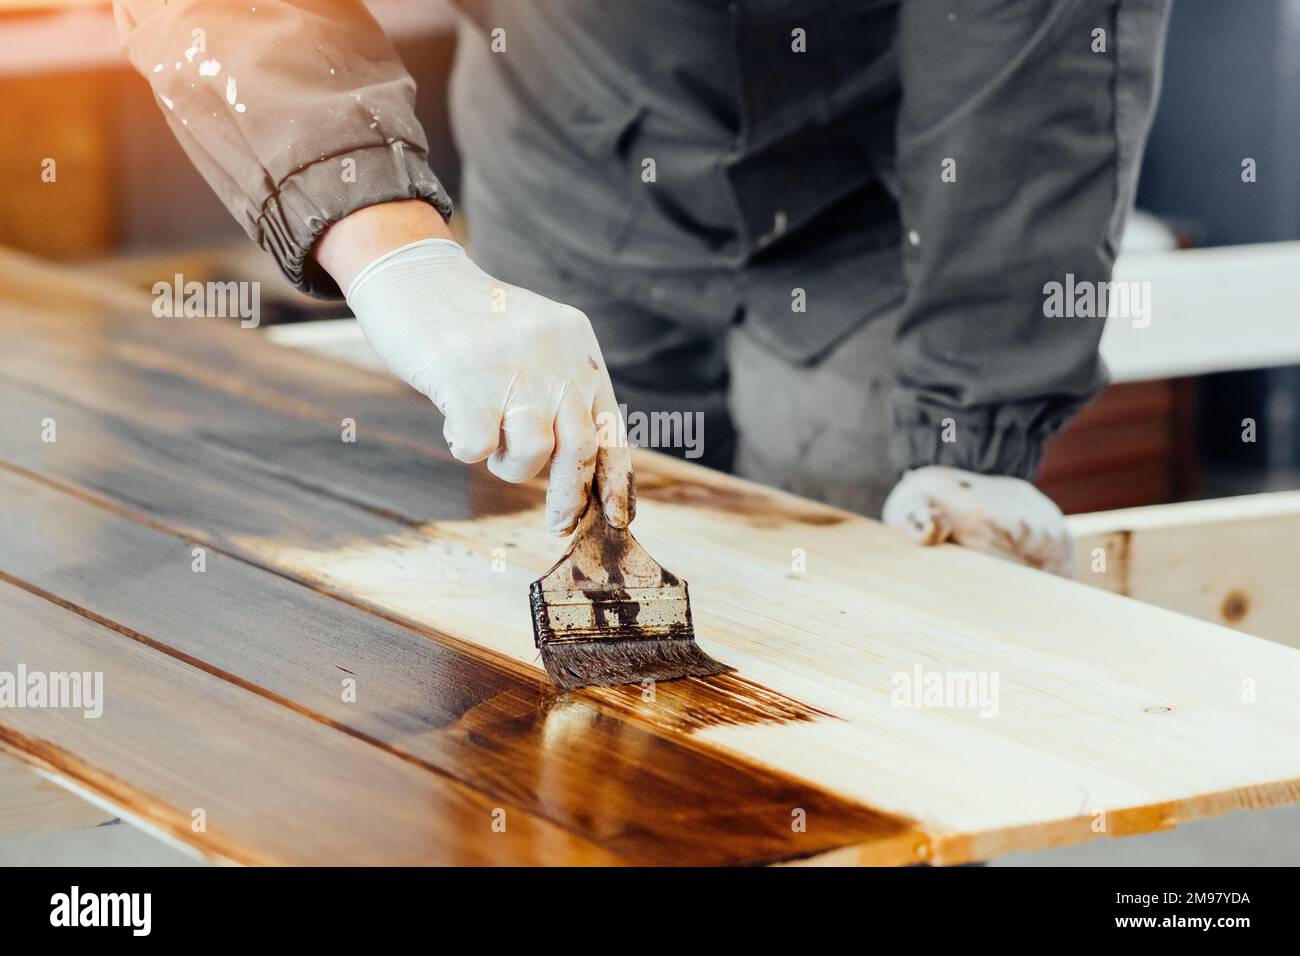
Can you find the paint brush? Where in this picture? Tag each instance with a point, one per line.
(607, 613)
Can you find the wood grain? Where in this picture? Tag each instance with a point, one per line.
(1106, 709)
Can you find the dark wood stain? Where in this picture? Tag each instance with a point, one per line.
(177, 481)
(272, 782)
(656, 801)
(405, 481)
(697, 703)
(108, 316)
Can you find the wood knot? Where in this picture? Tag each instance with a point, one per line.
(1234, 606)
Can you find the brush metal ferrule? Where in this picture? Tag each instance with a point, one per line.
(573, 615)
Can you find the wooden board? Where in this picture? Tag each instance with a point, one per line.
(1233, 561)
(1133, 445)
(384, 561)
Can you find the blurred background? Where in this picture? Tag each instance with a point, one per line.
(1223, 344)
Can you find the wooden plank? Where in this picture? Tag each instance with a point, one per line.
(31, 804)
(1133, 485)
(1212, 310)
(1233, 561)
(271, 785)
(1104, 705)
(1114, 448)
(496, 731)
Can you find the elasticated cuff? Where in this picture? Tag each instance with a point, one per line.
(989, 441)
(317, 196)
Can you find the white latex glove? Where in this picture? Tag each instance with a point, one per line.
(519, 378)
(1005, 517)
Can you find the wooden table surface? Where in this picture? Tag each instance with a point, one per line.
(351, 677)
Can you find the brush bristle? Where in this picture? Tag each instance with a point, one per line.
(603, 663)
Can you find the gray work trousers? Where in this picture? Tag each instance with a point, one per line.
(818, 429)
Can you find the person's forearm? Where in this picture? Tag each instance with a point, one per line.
(346, 247)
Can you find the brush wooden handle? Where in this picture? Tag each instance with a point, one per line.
(601, 556)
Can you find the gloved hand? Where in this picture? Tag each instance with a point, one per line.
(520, 379)
(1005, 517)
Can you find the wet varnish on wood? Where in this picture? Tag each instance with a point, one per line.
(352, 678)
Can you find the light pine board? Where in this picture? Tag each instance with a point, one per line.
(1233, 561)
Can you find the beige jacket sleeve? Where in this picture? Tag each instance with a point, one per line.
(295, 113)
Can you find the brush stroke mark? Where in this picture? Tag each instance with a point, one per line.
(438, 578)
(698, 703)
(656, 800)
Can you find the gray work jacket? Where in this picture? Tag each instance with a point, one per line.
(808, 164)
